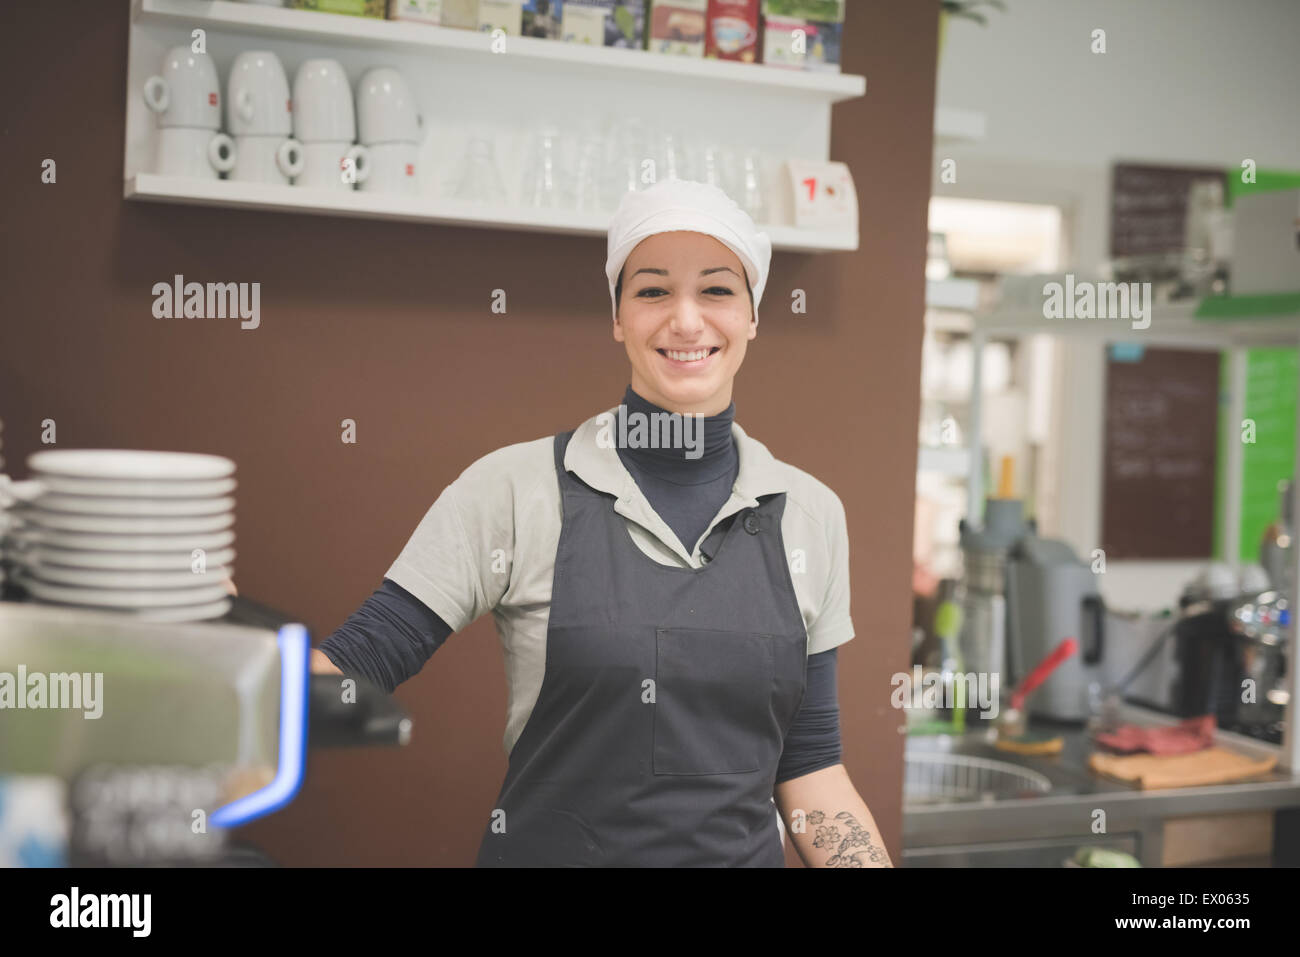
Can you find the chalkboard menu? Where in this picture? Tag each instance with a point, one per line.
(1160, 450)
(1148, 207)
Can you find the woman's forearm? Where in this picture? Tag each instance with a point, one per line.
(829, 822)
(387, 640)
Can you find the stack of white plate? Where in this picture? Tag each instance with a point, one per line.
(145, 533)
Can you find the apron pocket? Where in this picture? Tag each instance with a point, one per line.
(718, 707)
(549, 837)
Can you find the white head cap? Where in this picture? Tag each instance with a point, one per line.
(677, 204)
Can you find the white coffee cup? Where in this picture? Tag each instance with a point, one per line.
(386, 110)
(393, 169)
(267, 159)
(322, 103)
(257, 96)
(193, 152)
(327, 165)
(186, 92)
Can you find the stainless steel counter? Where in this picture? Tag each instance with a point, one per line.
(1068, 812)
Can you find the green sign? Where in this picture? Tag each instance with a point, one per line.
(1270, 407)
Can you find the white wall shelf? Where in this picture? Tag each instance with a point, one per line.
(252, 20)
(1171, 325)
(454, 212)
(465, 89)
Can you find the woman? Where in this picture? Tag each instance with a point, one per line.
(669, 595)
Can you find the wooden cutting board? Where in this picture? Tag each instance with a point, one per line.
(1151, 771)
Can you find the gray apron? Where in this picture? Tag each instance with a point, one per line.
(665, 700)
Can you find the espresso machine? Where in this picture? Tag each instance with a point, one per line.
(1231, 654)
(1234, 634)
(122, 730)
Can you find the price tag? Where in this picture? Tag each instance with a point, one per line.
(824, 196)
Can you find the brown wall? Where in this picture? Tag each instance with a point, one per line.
(389, 324)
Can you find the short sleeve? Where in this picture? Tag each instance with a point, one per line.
(457, 561)
(832, 625)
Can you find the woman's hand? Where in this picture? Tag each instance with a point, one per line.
(321, 665)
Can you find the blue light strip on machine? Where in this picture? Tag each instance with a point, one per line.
(294, 648)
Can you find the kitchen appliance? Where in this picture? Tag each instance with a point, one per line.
(984, 559)
(1052, 595)
(1231, 653)
(214, 716)
(1262, 626)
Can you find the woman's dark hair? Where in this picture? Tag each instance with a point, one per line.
(618, 289)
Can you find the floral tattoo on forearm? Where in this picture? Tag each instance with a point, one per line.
(828, 836)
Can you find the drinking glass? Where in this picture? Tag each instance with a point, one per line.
(750, 187)
(588, 171)
(479, 178)
(545, 181)
(628, 148)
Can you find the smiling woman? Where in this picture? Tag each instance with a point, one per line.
(669, 610)
(685, 329)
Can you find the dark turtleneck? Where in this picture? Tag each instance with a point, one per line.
(685, 486)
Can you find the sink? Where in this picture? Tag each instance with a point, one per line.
(968, 768)
(946, 778)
